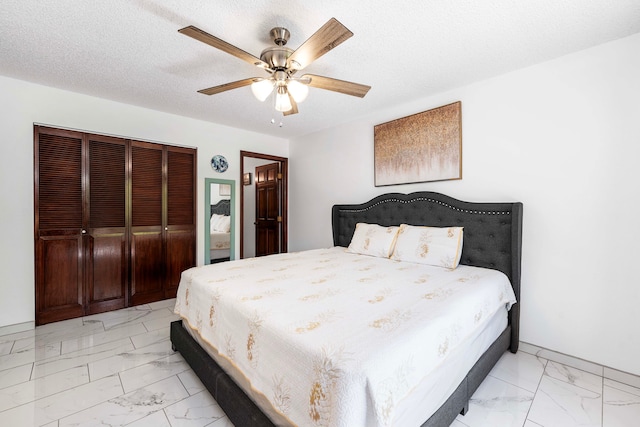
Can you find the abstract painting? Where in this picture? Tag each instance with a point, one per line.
(422, 147)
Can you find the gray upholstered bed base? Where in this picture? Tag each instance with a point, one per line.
(243, 412)
(492, 239)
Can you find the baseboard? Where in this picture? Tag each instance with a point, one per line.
(18, 327)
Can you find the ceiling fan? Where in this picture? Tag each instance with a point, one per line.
(282, 63)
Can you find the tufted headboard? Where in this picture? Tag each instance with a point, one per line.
(223, 207)
(492, 231)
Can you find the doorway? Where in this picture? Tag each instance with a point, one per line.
(249, 161)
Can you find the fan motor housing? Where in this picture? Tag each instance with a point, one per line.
(277, 57)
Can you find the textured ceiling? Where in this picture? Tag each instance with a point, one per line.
(130, 50)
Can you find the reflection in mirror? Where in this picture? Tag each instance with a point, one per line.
(219, 239)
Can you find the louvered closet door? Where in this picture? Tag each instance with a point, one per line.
(147, 251)
(106, 239)
(58, 224)
(181, 226)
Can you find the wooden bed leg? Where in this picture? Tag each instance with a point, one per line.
(465, 409)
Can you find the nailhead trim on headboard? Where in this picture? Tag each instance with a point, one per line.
(423, 199)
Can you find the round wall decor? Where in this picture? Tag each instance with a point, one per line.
(219, 163)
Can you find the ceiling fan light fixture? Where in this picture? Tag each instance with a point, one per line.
(283, 103)
(298, 91)
(262, 89)
(282, 63)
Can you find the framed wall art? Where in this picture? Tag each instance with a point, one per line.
(246, 178)
(422, 147)
(225, 189)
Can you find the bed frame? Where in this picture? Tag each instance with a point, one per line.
(492, 239)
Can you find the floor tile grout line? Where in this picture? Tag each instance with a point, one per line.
(150, 362)
(92, 406)
(165, 412)
(509, 382)
(120, 338)
(137, 320)
(577, 369)
(51, 395)
(49, 344)
(620, 389)
(70, 354)
(19, 366)
(124, 393)
(182, 382)
(602, 401)
(544, 369)
(105, 357)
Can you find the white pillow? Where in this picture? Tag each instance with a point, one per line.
(221, 223)
(225, 224)
(213, 222)
(373, 239)
(441, 247)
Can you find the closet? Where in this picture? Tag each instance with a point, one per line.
(114, 222)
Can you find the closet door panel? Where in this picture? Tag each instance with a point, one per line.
(58, 278)
(107, 278)
(147, 246)
(58, 202)
(107, 251)
(181, 229)
(180, 256)
(148, 272)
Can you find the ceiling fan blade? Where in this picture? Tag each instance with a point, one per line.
(322, 41)
(348, 88)
(228, 86)
(294, 107)
(207, 38)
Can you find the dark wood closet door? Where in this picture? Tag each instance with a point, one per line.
(58, 224)
(147, 251)
(181, 217)
(106, 239)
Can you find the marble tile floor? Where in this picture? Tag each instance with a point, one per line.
(118, 369)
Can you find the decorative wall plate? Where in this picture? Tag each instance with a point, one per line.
(219, 163)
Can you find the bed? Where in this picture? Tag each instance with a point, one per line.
(492, 240)
(220, 232)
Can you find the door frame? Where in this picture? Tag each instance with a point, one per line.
(284, 200)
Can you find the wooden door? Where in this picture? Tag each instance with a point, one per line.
(147, 251)
(106, 239)
(58, 200)
(267, 209)
(181, 218)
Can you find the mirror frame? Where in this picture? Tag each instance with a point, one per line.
(207, 217)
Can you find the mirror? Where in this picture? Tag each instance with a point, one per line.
(219, 217)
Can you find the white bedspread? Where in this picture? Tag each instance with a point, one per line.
(337, 339)
(220, 240)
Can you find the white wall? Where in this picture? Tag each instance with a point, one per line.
(22, 104)
(563, 137)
